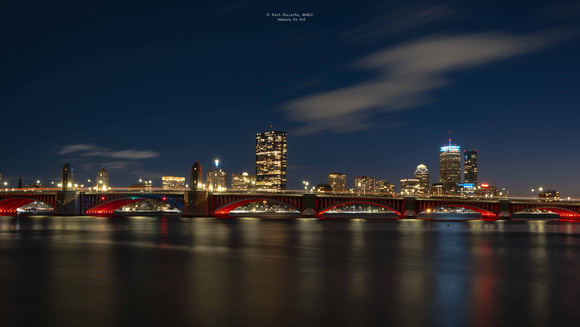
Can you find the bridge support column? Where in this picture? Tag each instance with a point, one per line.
(504, 210)
(411, 206)
(68, 203)
(309, 205)
(196, 204)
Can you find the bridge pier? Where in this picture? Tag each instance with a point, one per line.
(309, 205)
(504, 210)
(411, 208)
(196, 204)
(68, 203)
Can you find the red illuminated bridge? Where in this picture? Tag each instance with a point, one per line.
(221, 204)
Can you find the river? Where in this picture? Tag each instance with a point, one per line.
(161, 271)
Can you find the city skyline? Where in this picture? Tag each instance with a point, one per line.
(144, 91)
(267, 150)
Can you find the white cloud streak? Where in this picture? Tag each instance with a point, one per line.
(400, 19)
(407, 73)
(86, 150)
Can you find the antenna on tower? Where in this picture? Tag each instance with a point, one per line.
(449, 137)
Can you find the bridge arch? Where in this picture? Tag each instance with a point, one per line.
(564, 213)
(485, 214)
(224, 211)
(109, 206)
(8, 206)
(321, 212)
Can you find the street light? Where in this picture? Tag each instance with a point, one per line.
(305, 186)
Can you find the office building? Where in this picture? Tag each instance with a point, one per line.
(549, 195)
(410, 186)
(364, 184)
(196, 177)
(450, 168)
(491, 191)
(172, 183)
(466, 188)
(102, 183)
(422, 174)
(470, 167)
(436, 189)
(216, 179)
(271, 160)
(243, 181)
(384, 187)
(337, 181)
(143, 185)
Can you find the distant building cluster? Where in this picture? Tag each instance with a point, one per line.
(458, 176)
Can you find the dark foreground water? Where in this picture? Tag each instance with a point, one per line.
(87, 271)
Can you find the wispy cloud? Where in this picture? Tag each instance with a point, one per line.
(87, 150)
(400, 19)
(406, 74)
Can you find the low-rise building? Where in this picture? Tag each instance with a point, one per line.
(364, 184)
(243, 181)
(384, 187)
(172, 182)
(410, 186)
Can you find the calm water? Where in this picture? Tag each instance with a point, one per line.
(87, 271)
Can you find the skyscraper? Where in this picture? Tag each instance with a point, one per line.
(271, 160)
(102, 180)
(195, 177)
(470, 166)
(422, 174)
(337, 181)
(450, 167)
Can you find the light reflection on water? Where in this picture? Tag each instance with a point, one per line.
(249, 271)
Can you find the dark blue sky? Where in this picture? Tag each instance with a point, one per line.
(145, 88)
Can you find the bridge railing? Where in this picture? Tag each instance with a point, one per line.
(90, 190)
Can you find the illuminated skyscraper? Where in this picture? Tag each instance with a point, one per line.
(470, 166)
(337, 181)
(422, 174)
(195, 177)
(450, 167)
(102, 180)
(271, 160)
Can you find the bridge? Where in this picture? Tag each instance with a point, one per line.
(221, 204)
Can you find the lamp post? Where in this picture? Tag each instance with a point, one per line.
(305, 186)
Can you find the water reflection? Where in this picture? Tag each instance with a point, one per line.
(248, 271)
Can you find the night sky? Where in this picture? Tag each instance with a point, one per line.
(146, 88)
